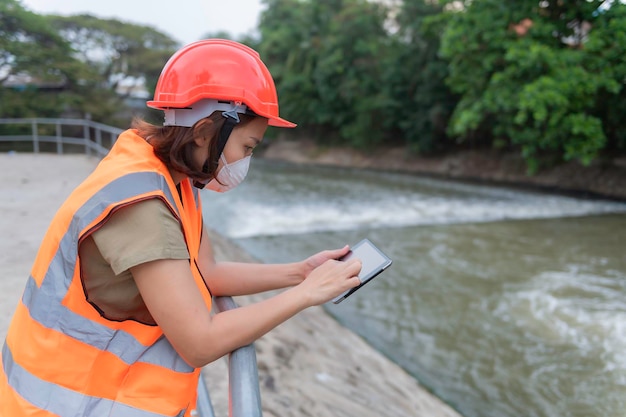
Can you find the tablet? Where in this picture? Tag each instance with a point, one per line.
(373, 260)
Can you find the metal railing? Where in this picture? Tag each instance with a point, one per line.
(95, 138)
(243, 377)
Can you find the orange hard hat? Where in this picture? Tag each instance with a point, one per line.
(215, 74)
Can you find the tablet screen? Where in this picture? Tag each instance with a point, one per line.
(371, 259)
(373, 262)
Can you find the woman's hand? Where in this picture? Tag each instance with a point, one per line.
(330, 279)
(319, 258)
(175, 302)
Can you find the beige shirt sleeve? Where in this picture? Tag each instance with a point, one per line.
(142, 232)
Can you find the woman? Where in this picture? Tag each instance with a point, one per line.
(115, 318)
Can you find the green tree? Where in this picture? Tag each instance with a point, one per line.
(220, 34)
(38, 76)
(349, 74)
(532, 74)
(327, 63)
(606, 52)
(290, 42)
(121, 52)
(415, 77)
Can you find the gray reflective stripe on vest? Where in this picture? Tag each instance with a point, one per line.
(44, 302)
(63, 401)
(45, 309)
(196, 196)
(118, 190)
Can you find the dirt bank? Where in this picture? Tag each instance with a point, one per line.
(601, 179)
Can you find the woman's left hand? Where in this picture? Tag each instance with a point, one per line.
(319, 258)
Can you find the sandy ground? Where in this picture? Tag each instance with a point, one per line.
(304, 368)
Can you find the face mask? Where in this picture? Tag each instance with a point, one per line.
(230, 175)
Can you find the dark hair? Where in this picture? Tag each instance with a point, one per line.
(174, 145)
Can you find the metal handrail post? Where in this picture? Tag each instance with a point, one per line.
(87, 138)
(35, 136)
(59, 139)
(204, 407)
(243, 384)
(98, 136)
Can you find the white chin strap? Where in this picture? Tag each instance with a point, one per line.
(204, 108)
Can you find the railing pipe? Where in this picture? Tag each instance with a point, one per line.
(204, 407)
(90, 144)
(243, 375)
(99, 137)
(35, 133)
(59, 139)
(87, 138)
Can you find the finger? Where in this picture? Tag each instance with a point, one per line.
(354, 281)
(338, 253)
(353, 266)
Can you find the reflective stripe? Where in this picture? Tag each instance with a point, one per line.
(44, 302)
(118, 190)
(62, 401)
(49, 313)
(196, 196)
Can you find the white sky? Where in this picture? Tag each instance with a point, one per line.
(183, 20)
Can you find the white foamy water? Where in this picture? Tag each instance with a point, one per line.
(268, 205)
(571, 308)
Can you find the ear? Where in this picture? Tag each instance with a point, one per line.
(200, 140)
(201, 132)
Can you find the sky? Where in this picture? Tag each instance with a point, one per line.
(184, 20)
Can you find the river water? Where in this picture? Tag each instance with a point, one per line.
(503, 302)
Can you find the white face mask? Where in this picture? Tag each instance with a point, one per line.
(230, 175)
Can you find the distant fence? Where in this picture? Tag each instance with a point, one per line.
(59, 134)
(96, 139)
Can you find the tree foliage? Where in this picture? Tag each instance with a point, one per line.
(73, 65)
(32, 54)
(121, 52)
(536, 75)
(421, 102)
(328, 65)
(542, 77)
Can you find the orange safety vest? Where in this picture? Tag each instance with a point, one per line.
(60, 357)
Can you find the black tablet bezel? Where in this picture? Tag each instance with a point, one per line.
(371, 275)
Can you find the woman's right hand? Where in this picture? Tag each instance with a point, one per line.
(176, 304)
(329, 280)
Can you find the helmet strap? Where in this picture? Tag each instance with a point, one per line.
(232, 120)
